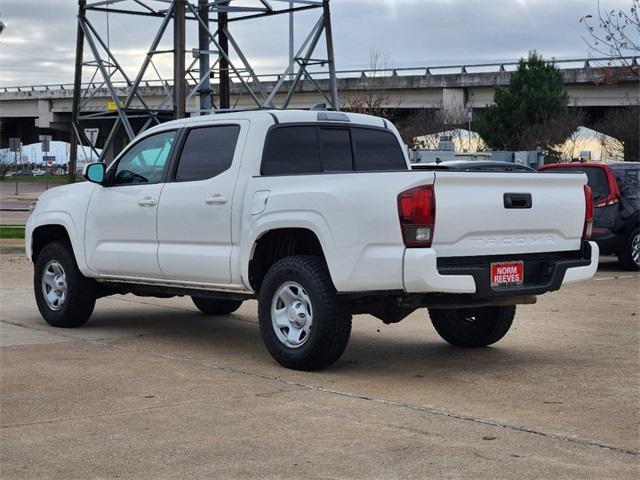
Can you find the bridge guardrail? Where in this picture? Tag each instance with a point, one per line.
(361, 73)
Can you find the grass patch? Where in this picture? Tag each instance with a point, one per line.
(10, 231)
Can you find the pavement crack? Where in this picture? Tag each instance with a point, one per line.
(390, 403)
(106, 414)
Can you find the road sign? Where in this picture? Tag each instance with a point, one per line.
(92, 135)
(46, 142)
(49, 159)
(14, 144)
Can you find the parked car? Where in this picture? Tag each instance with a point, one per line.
(24, 173)
(319, 216)
(39, 173)
(616, 197)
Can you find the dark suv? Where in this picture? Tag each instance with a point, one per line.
(616, 198)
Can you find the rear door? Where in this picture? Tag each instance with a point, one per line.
(504, 213)
(194, 214)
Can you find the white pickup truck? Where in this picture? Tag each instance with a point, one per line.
(319, 216)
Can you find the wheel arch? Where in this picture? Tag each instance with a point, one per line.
(52, 230)
(277, 243)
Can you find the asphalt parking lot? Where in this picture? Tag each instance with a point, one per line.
(151, 389)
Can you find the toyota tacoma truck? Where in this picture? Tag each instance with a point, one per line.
(317, 215)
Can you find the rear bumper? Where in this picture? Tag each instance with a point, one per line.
(424, 273)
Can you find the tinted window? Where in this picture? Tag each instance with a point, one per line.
(145, 161)
(207, 152)
(628, 180)
(377, 150)
(336, 150)
(597, 179)
(291, 150)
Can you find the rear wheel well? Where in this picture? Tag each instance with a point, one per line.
(46, 234)
(278, 244)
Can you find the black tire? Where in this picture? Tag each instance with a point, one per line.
(214, 306)
(474, 327)
(330, 328)
(80, 292)
(626, 257)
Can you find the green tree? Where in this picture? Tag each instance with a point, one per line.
(531, 111)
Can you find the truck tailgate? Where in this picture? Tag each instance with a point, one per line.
(507, 213)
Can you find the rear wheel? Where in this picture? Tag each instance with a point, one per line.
(213, 306)
(473, 327)
(629, 258)
(64, 296)
(304, 325)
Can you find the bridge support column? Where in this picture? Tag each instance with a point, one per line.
(45, 116)
(453, 105)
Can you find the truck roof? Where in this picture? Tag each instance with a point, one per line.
(280, 116)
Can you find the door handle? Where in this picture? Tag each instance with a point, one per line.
(517, 200)
(147, 202)
(216, 199)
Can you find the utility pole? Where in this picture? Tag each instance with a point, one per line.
(223, 41)
(335, 99)
(291, 40)
(179, 42)
(203, 46)
(77, 85)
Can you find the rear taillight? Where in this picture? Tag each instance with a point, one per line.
(606, 202)
(588, 214)
(417, 211)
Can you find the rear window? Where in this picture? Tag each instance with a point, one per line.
(336, 150)
(628, 180)
(377, 150)
(291, 150)
(207, 152)
(311, 149)
(597, 179)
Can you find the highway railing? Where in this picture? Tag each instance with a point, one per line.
(476, 68)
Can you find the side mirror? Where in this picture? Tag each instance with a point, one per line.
(94, 172)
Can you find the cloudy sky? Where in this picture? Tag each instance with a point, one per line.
(38, 44)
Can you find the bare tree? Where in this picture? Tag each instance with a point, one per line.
(423, 129)
(5, 164)
(615, 33)
(422, 124)
(622, 123)
(374, 99)
(551, 133)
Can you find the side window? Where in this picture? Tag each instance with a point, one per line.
(335, 144)
(145, 161)
(207, 152)
(628, 180)
(377, 150)
(291, 150)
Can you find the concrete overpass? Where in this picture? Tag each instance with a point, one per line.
(29, 110)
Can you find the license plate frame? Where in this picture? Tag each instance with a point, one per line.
(506, 274)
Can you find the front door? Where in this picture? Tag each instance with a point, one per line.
(195, 212)
(121, 237)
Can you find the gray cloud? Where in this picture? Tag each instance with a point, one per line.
(38, 45)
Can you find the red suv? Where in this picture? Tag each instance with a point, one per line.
(616, 198)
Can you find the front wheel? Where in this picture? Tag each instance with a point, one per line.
(303, 323)
(64, 296)
(473, 327)
(629, 258)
